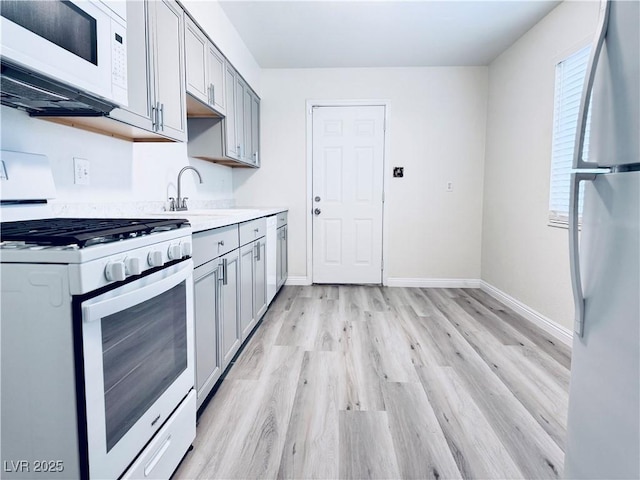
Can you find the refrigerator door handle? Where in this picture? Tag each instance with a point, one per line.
(596, 49)
(574, 248)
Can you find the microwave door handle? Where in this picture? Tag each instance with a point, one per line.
(592, 65)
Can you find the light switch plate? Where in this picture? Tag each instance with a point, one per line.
(81, 171)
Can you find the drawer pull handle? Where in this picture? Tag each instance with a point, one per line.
(157, 457)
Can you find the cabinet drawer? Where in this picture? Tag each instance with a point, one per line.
(249, 231)
(163, 454)
(282, 219)
(211, 244)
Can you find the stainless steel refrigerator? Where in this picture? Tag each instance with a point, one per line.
(603, 431)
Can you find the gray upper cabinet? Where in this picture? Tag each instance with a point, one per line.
(167, 27)
(205, 70)
(216, 67)
(240, 89)
(224, 120)
(231, 144)
(196, 45)
(255, 130)
(155, 65)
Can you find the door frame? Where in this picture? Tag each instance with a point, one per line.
(309, 165)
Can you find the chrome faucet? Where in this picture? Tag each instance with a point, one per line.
(180, 204)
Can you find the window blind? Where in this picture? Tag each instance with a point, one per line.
(570, 75)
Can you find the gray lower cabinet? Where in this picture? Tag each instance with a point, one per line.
(282, 257)
(207, 333)
(229, 302)
(247, 318)
(216, 296)
(253, 274)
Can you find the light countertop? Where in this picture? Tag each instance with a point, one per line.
(206, 219)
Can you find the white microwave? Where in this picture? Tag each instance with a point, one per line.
(79, 43)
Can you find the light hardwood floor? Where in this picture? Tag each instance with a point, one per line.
(374, 382)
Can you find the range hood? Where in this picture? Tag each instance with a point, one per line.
(42, 96)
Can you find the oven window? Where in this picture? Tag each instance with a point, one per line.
(60, 22)
(144, 350)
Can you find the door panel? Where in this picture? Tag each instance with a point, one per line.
(246, 289)
(216, 77)
(208, 362)
(196, 60)
(260, 282)
(170, 89)
(229, 308)
(348, 161)
(230, 120)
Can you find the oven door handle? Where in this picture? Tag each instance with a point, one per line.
(148, 288)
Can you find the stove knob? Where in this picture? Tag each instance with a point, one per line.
(132, 266)
(115, 271)
(174, 252)
(155, 258)
(186, 249)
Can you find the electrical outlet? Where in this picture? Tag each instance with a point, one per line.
(449, 186)
(81, 171)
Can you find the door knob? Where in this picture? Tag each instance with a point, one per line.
(317, 211)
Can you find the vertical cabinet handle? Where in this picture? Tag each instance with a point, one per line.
(162, 116)
(154, 119)
(213, 94)
(257, 247)
(224, 271)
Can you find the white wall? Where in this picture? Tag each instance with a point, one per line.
(521, 254)
(121, 171)
(211, 17)
(436, 131)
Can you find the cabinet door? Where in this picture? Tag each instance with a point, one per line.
(230, 119)
(247, 151)
(260, 278)
(216, 67)
(208, 358)
(246, 290)
(279, 240)
(255, 130)
(229, 311)
(196, 47)
(285, 253)
(169, 69)
(240, 96)
(138, 112)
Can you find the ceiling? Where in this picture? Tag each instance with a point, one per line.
(391, 33)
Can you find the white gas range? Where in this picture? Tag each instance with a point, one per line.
(97, 346)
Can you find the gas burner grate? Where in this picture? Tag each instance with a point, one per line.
(83, 232)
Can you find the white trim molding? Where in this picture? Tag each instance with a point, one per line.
(433, 282)
(291, 280)
(557, 331)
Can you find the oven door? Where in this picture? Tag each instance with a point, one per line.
(137, 342)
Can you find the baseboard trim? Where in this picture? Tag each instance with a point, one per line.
(433, 282)
(558, 331)
(291, 280)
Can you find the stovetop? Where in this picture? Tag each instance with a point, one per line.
(84, 232)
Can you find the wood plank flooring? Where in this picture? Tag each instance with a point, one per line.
(376, 382)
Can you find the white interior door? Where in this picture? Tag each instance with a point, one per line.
(348, 156)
